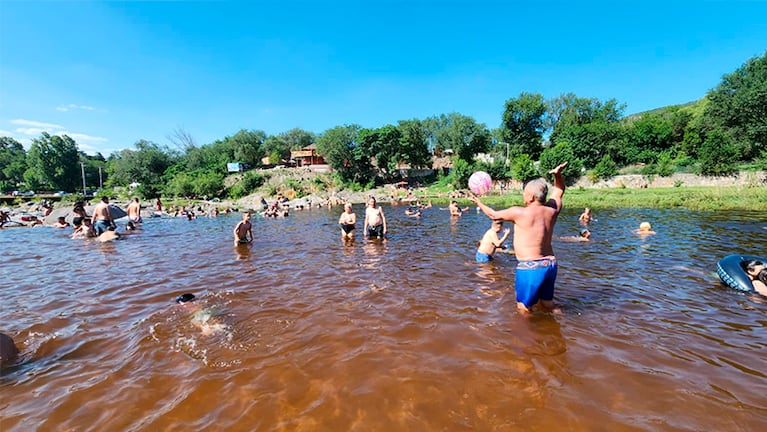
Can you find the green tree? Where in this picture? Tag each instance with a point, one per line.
(277, 149)
(590, 141)
(146, 164)
(522, 124)
(382, 144)
(13, 163)
(717, 154)
(343, 153)
(650, 135)
(414, 144)
(561, 153)
(247, 146)
(605, 169)
(53, 163)
(738, 107)
(297, 138)
(461, 134)
(570, 110)
(523, 168)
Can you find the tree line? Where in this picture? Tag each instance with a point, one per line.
(717, 135)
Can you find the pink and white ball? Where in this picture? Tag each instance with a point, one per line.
(480, 183)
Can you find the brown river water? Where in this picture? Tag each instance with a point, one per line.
(306, 333)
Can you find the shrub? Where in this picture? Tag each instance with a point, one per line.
(717, 155)
(605, 169)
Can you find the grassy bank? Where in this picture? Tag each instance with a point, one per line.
(692, 198)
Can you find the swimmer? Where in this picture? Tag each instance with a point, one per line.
(375, 221)
(645, 229)
(585, 217)
(202, 318)
(348, 220)
(584, 236)
(61, 223)
(490, 242)
(243, 232)
(8, 350)
(757, 272)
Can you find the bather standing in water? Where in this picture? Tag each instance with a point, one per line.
(533, 230)
(348, 220)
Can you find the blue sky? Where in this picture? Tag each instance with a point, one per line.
(111, 73)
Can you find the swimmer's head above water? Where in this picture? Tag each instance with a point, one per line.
(185, 298)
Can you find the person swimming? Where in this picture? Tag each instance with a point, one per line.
(202, 318)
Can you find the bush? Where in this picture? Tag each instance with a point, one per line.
(523, 168)
(665, 166)
(717, 155)
(552, 157)
(605, 169)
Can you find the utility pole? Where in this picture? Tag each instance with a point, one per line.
(101, 184)
(82, 169)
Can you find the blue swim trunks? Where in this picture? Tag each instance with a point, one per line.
(535, 280)
(483, 257)
(101, 226)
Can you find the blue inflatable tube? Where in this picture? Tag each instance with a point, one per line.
(733, 275)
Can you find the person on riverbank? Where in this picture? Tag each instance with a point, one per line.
(490, 242)
(533, 230)
(102, 218)
(243, 232)
(375, 221)
(134, 211)
(348, 221)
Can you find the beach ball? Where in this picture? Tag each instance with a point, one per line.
(480, 183)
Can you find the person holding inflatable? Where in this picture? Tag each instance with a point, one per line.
(533, 230)
(757, 272)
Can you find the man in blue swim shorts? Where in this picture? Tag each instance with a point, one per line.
(490, 242)
(533, 230)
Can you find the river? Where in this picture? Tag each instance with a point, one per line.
(307, 333)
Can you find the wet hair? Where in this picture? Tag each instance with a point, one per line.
(184, 298)
(538, 188)
(497, 222)
(751, 265)
(762, 276)
(584, 232)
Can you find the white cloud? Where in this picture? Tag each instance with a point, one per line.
(6, 133)
(36, 124)
(82, 137)
(70, 107)
(30, 131)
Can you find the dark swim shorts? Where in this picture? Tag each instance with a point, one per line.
(347, 228)
(375, 231)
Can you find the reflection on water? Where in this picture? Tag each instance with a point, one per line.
(302, 331)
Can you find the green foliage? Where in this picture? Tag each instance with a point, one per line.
(247, 146)
(277, 149)
(605, 169)
(383, 145)
(569, 110)
(561, 153)
(590, 141)
(53, 163)
(738, 105)
(297, 138)
(146, 165)
(522, 123)
(523, 168)
(343, 153)
(665, 166)
(413, 144)
(251, 181)
(462, 170)
(650, 135)
(13, 163)
(718, 154)
(459, 133)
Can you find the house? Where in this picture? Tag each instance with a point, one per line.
(307, 156)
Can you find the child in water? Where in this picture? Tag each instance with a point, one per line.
(243, 232)
(490, 242)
